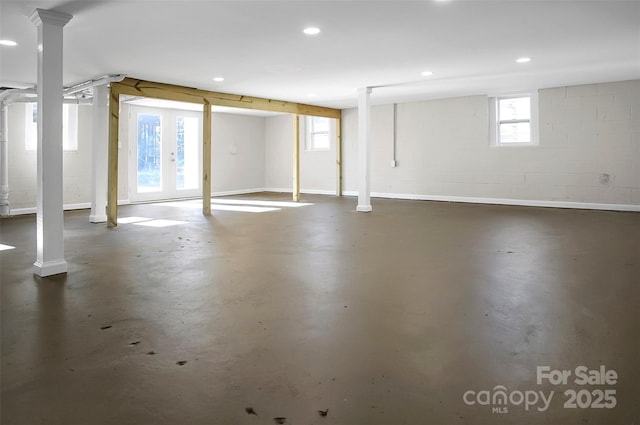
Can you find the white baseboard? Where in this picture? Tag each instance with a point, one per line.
(237, 192)
(504, 201)
(408, 196)
(65, 207)
(277, 189)
(307, 191)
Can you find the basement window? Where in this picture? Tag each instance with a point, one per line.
(317, 134)
(513, 120)
(69, 127)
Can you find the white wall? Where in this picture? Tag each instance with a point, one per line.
(240, 171)
(22, 163)
(443, 149)
(237, 152)
(317, 168)
(278, 157)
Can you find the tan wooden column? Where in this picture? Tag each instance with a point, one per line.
(206, 159)
(296, 158)
(112, 178)
(338, 157)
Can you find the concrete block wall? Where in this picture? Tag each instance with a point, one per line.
(23, 163)
(588, 151)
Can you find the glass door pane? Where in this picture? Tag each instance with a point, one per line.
(149, 169)
(187, 150)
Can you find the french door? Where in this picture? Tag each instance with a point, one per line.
(165, 151)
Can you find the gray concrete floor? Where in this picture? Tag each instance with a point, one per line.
(382, 318)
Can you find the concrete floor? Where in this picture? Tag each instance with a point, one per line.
(382, 318)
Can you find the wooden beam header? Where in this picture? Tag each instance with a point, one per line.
(134, 87)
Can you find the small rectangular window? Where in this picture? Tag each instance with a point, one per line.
(317, 135)
(513, 120)
(69, 127)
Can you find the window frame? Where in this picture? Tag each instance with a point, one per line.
(69, 127)
(308, 132)
(496, 122)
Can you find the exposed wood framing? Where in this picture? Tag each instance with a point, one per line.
(135, 87)
(112, 196)
(206, 159)
(296, 158)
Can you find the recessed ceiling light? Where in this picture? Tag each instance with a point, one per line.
(312, 95)
(8, 43)
(426, 73)
(218, 79)
(312, 31)
(523, 60)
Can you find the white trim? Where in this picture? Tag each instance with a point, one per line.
(504, 201)
(534, 122)
(277, 190)
(237, 192)
(66, 207)
(307, 191)
(407, 196)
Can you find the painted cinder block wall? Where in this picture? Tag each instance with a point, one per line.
(587, 133)
(22, 162)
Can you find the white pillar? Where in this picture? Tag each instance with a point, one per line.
(99, 155)
(4, 159)
(49, 206)
(364, 166)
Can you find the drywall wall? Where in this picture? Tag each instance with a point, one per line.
(278, 157)
(588, 152)
(317, 168)
(237, 158)
(237, 153)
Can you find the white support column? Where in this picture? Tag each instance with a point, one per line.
(99, 154)
(4, 159)
(364, 166)
(49, 202)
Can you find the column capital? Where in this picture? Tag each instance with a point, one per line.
(364, 90)
(40, 16)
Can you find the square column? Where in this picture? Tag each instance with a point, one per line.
(99, 155)
(296, 158)
(364, 161)
(49, 203)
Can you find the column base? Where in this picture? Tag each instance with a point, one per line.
(49, 268)
(98, 218)
(364, 208)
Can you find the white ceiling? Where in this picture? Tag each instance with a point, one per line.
(258, 46)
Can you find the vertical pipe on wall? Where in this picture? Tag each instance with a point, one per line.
(4, 159)
(296, 157)
(364, 166)
(112, 197)
(338, 156)
(206, 158)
